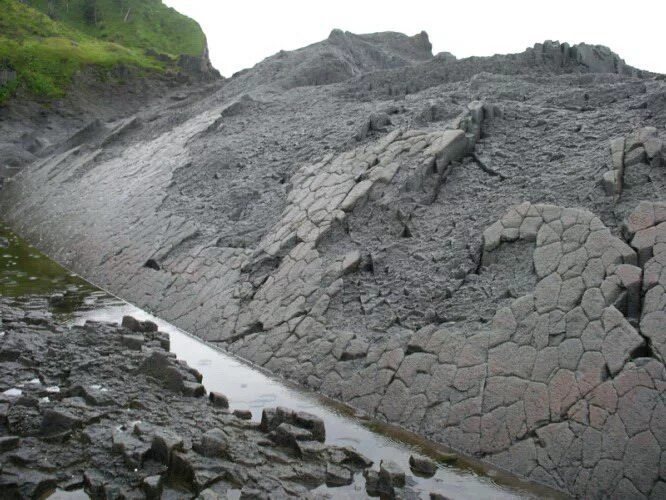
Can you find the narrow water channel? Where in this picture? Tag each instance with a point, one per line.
(25, 272)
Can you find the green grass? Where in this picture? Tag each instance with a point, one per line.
(46, 52)
(145, 24)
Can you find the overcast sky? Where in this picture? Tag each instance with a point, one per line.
(243, 32)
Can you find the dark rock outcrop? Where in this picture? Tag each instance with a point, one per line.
(341, 56)
(115, 431)
(431, 240)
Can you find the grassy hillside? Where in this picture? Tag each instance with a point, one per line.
(45, 52)
(146, 24)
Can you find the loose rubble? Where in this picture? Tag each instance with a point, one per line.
(90, 412)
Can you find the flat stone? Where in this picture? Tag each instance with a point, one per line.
(593, 303)
(547, 258)
(642, 461)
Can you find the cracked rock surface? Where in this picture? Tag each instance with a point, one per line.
(79, 408)
(472, 249)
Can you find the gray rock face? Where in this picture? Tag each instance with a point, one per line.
(273, 418)
(200, 66)
(645, 228)
(143, 440)
(543, 59)
(342, 56)
(439, 243)
(596, 58)
(169, 373)
(633, 157)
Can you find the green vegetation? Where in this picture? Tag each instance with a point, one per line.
(144, 24)
(24, 270)
(46, 50)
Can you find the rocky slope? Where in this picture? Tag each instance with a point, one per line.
(341, 56)
(107, 408)
(59, 72)
(469, 248)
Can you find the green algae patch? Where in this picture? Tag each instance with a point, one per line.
(25, 271)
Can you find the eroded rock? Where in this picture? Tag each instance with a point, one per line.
(139, 434)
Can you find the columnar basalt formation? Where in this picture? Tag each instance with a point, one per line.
(448, 245)
(541, 389)
(320, 196)
(645, 228)
(589, 374)
(641, 150)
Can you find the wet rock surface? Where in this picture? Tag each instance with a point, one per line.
(80, 411)
(470, 248)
